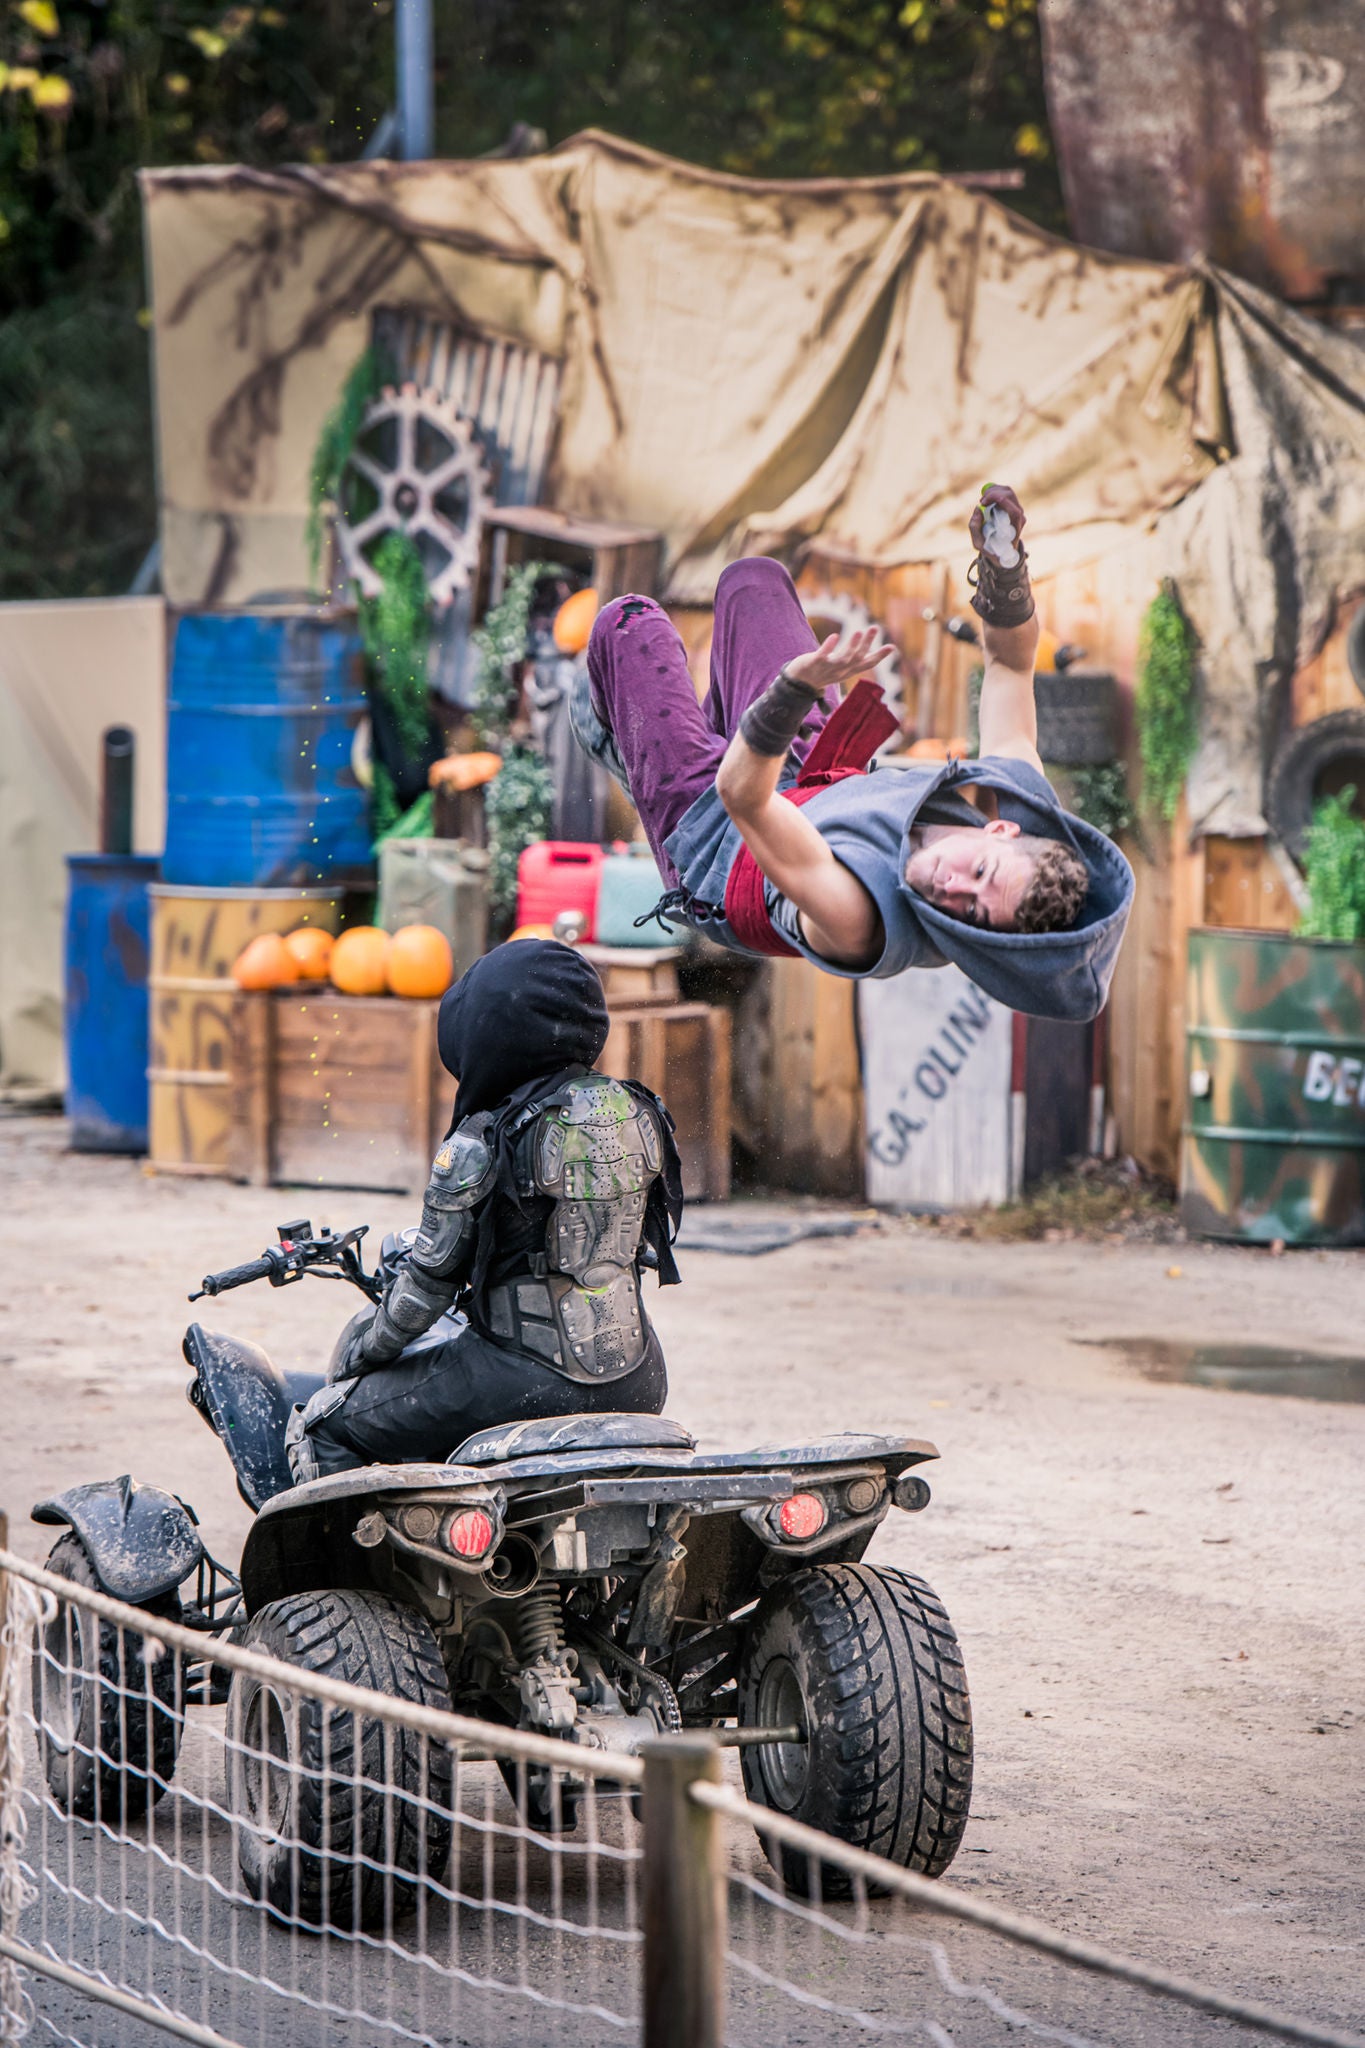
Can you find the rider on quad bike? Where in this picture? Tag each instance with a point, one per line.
(554, 1186)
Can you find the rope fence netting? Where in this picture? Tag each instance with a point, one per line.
(200, 1842)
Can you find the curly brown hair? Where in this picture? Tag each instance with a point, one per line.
(1052, 901)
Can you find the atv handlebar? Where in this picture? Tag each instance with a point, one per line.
(238, 1276)
(331, 1255)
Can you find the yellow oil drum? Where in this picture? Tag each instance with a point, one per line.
(196, 935)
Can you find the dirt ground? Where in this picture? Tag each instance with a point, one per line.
(1157, 1586)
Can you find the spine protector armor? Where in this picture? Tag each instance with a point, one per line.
(596, 1150)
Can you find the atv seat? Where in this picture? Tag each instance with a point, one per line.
(551, 1433)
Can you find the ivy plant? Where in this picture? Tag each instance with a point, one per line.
(517, 802)
(396, 630)
(1334, 871)
(1100, 795)
(373, 369)
(500, 644)
(1167, 717)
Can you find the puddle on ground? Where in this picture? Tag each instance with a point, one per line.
(1242, 1368)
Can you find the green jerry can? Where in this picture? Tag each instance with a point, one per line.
(442, 882)
(1274, 1132)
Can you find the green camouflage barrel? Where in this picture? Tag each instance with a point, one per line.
(1275, 1089)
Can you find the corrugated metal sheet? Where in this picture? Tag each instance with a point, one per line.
(511, 394)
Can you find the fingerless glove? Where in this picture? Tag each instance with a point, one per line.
(773, 720)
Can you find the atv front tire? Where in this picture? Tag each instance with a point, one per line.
(866, 1664)
(339, 1816)
(105, 1702)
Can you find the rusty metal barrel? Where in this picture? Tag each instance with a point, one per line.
(1275, 1077)
(196, 936)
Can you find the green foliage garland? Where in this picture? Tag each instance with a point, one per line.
(1167, 717)
(1334, 869)
(396, 630)
(1100, 795)
(373, 369)
(500, 643)
(517, 802)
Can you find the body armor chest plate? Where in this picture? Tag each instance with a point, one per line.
(595, 1151)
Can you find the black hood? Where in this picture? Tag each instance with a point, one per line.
(527, 1010)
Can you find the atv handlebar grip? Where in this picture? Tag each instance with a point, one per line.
(238, 1276)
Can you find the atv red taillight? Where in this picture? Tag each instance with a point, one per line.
(470, 1533)
(804, 1515)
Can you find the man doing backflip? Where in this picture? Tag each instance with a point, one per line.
(775, 838)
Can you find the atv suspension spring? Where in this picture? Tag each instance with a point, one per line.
(540, 1625)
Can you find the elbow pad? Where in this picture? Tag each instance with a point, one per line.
(426, 1284)
(774, 720)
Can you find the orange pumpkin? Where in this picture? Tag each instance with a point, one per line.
(358, 961)
(310, 950)
(264, 963)
(533, 931)
(420, 962)
(573, 621)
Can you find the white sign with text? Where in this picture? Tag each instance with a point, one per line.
(936, 1070)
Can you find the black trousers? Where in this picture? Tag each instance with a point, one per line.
(424, 1405)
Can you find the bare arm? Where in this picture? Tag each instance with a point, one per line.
(1009, 716)
(838, 917)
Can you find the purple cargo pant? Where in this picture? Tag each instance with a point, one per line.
(672, 745)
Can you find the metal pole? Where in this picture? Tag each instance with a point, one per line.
(416, 86)
(116, 790)
(684, 1898)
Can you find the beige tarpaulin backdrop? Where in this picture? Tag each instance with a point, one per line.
(66, 672)
(754, 365)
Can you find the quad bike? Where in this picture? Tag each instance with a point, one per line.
(594, 1578)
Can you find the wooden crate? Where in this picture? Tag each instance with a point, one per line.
(336, 1091)
(683, 1054)
(349, 1091)
(614, 558)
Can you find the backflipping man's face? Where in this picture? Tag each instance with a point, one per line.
(977, 875)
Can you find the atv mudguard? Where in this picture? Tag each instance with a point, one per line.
(247, 1401)
(141, 1541)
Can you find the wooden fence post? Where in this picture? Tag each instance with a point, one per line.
(684, 1898)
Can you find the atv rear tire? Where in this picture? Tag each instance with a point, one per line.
(865, 1661)
(340, 1817)
(108, 1718)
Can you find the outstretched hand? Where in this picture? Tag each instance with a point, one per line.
(833, 662)
(1003, 496)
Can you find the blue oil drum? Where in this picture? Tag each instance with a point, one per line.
(106, 999)
(261, 723)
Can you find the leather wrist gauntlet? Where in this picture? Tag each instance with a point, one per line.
(773, 720)
(1002, 597)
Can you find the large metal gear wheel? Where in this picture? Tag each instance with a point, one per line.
(416, 468)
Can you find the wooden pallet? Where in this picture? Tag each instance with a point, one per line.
(341, 1091)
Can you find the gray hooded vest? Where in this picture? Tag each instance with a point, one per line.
(866, 822)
